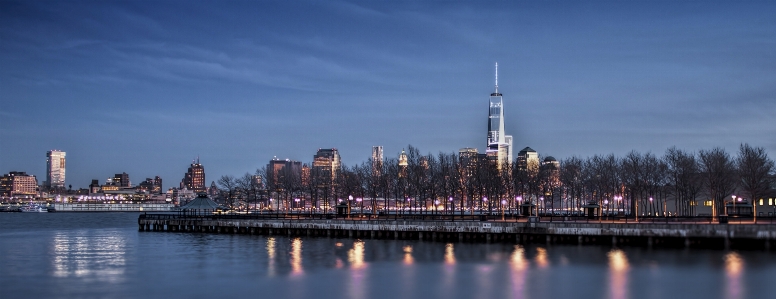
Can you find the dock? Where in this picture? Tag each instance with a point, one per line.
(676, 235)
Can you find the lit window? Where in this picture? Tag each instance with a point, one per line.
(770, 201)
(707, 203)
(761, 201)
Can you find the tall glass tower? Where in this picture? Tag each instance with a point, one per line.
(55, 169)
(499, 144)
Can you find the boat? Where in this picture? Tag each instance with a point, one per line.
(33, 208)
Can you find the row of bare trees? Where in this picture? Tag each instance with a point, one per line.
(672, 184)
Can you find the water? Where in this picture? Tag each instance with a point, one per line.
(102, 255)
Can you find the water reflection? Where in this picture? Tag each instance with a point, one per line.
(356, 255)
(296, 257)
(271, 256)
(408, 260)
(90, 257)
(541, 258)
(618, 274)
(519, 266)
(734, 268)
(449, 254)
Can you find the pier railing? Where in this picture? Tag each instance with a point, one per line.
(458, 217)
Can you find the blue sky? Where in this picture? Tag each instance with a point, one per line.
(144, 87)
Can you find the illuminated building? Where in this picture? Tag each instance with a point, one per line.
(17, 183)
(194, 178)
(326, 163)
(122, 180)
(499, 145)
(377, 159)
(403, 164)
(55, 169)
(280, 169)
(467, 157)
(153, 186)
(528, 159)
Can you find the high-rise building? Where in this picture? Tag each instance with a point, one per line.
(194, 178)
(122, 180)
(467, 157)
(326, 164)
(498, 143)
(279, 169)
(17, 183)
(377, 159)
(528, 159)
(55, 169)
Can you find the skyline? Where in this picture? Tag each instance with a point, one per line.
(144, 88)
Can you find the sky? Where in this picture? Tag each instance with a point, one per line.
(145, 87)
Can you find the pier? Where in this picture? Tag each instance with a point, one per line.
(676, 235)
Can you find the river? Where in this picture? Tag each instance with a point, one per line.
(103, 255)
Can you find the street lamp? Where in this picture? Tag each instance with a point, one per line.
(503, 202)
(518, 199)
(734, 205)
(650, 202)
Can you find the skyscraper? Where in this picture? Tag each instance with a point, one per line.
(55, 169)
(283, 169)
(194, 179)
(377, 159)
(499, 145)
(326, 164)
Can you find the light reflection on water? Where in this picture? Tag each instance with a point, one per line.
(618, 274)
(74, 256)
(734, 269)
(89, 257)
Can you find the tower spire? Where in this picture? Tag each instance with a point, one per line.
(496, 77)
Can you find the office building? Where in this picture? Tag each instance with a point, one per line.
(377, 159)
(55, 169)
(280, 170)
(326, 164)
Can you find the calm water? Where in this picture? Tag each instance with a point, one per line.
(68, 255)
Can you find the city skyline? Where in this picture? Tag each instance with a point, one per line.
(143, 88)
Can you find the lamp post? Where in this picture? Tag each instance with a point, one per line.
(452, 207)
(503, 202)
(650, 202)
(734, 205)
(606, 204)
(518, 199)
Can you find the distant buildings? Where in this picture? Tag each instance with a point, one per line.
(18, 184)
(194, 178)
(55, 169)
(122, 180)
(153, 186)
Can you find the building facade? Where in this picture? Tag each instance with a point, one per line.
(282, 169)
(194, 178)
(55, 169)
(377, 159)
(326, 164)
(18, 184)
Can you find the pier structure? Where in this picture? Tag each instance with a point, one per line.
(723, 236)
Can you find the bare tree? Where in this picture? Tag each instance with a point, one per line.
(754, 168)
(227, 184)
(718, 176)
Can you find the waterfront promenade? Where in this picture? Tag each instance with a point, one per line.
(667, 233)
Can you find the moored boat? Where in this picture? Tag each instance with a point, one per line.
(33, 208)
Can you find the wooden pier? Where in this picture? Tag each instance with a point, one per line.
(680, 235)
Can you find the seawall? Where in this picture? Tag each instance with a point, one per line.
(723, 236)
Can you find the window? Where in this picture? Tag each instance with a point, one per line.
(761, 201)
(770, 201)
(693, 203)
(707, 203)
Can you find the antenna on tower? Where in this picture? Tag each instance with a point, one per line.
(496, 77)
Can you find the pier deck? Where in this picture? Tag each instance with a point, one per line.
(699, 235)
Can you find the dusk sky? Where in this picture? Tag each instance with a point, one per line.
(145, 87)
